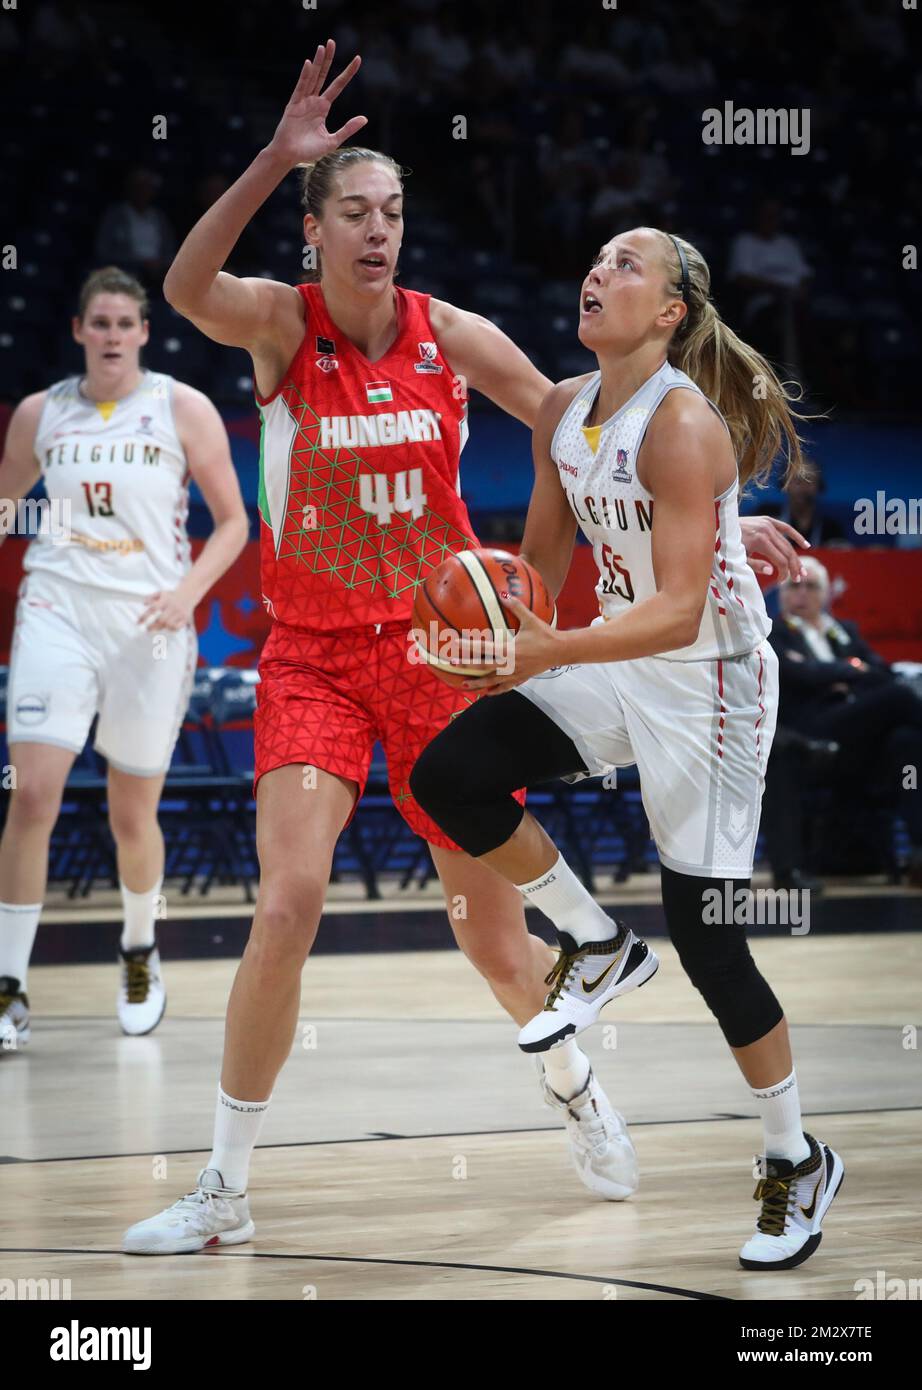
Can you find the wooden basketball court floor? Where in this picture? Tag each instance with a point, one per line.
(407, 1154)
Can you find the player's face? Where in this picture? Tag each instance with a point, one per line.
(361, 229)
(112, 334)
(626, 294)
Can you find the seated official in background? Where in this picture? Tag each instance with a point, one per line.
(802, 508)
(835, 689)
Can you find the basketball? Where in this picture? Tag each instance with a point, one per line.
(458, 610)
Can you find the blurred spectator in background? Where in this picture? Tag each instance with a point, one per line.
(245, 258)
(617, 201)
(835, 688)
(380, 62)
(570, 173)
(685, 71)
(796, 764)
(135, 234)
(802, 510)
(59, 36)
(486, 196)
(588, 60)
(508, 57)
(440, 42)
(770, 274)
(643, 40)
(655, 182)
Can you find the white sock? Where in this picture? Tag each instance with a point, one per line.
(567, 1069)
(138, 909)
(236, 1128)
(782, 1129)
(18, 925)
(572, 909)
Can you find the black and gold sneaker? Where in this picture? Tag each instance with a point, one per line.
(583, 981)
(15, 1019)
(141, 996)
(794, 1201)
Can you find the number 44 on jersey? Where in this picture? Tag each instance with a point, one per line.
(375, 497)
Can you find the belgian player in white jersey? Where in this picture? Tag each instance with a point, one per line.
(675, 676)
(104, 621)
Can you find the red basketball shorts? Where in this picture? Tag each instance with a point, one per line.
(324, 699)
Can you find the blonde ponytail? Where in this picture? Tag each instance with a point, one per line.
(757, 406)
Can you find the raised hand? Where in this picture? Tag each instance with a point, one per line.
(301, 135)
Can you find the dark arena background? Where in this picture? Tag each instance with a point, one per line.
(407, 1155)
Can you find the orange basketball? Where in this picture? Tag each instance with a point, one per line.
(458, 610)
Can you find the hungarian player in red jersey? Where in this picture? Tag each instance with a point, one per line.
(361, 388)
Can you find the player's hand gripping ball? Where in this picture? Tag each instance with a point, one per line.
(460, 626)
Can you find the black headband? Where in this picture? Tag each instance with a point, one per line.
(684, 264)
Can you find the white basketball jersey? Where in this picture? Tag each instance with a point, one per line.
(121, 467)
(598, 472)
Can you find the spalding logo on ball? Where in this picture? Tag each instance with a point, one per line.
(458, 613)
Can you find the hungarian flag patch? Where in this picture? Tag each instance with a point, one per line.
(377, 391)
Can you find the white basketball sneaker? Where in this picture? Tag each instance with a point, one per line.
(15, 1019)
(600, 1145)
(141, 995)
(211, 1215)
(794, 1202)
(583, 981)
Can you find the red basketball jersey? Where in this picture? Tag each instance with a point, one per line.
(359, 495)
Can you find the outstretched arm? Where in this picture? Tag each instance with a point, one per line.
(242, 312)
(487, 360)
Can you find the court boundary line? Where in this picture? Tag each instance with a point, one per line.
(383, 1136)
(694, 1294)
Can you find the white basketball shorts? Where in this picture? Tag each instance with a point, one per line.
(79, 651)
(699, 733)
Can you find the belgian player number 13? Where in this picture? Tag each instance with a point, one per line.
(98, 498)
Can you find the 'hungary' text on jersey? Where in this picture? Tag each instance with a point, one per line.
(359, 493)
(597, 466)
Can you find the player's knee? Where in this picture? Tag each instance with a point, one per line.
(286, 921)
(130, 824)
(422, 779)
(734, 989)
(503, 968)
(716, 958)
(35, 803)
(436, 779)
